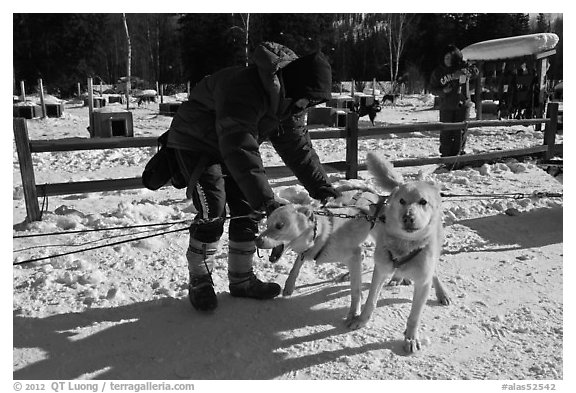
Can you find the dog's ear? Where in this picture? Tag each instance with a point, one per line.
(435, 186)
(305, 210)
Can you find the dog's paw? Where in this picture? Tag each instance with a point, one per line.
(287, 292)
(444, 300)
(355, 322)
(396, 281)
(343, 277)
(412, 345)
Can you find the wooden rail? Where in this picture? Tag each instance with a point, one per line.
(32, 191)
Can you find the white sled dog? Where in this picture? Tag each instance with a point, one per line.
(332, 234)
(409, 238)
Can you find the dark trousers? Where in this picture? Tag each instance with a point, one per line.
(452, 142)
(211, 192)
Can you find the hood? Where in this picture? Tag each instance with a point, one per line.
(308, 77)
(457, 58)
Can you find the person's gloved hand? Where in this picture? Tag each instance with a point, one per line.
(270, 206)
(266, 209)
(324, 193)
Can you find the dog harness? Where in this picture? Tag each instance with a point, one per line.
(379, 206)
(314, 237)
(397, 262)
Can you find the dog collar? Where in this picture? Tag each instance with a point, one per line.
(397, 262)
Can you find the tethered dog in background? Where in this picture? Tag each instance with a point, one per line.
(391, 98)
(370, 110)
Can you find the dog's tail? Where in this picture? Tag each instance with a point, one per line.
(383, 171)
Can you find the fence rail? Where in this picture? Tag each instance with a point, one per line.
(32, 191)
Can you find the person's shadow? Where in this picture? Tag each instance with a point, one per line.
(535, 228)
(167, 339)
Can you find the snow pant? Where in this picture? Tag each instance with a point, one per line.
(212, 187)
(452, 142)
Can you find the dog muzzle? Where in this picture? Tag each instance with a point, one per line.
(265, 242)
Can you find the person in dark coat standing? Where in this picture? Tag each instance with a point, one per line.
(216, 136)
(449, 81)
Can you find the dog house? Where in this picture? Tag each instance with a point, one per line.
(321, 116)
(27, 111)
(112, 124)
(326, 116)
(364, 99)
(342, 102)
(512, 72)
(98, 102)
(115, 98)
(339, 117)
(169, 108)
(54, 109)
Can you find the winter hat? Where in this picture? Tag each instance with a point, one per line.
(308, 77)
(457, 58)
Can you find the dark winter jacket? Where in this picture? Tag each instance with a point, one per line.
(232, 111)
(444, 76)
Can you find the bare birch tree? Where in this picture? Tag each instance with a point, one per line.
(246, 30)
(398, 29)
(128, 61)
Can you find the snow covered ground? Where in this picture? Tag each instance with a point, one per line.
(121, 312)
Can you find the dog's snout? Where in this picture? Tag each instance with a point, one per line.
(265, 242)
(408, 219)
(259, 242)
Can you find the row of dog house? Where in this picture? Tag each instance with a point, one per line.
(120, 123)
(31, 110)
(106, 124)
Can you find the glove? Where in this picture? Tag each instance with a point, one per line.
(324, 193)
(266, 209)
(270, 206)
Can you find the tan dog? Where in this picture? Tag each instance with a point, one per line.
(324, 237)
(409, 239)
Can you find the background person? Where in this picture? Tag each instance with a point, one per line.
(449, 81)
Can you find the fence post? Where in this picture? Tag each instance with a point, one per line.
(26, 169)
(42, 102)
(550, 130)
(22, 91)
(91, 129)
(478, 91)
(351, 145)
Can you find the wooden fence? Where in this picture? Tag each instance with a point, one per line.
(32, 191)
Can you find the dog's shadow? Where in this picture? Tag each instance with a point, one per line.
(166, 339)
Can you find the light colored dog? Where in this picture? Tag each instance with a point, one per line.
(330, 234)
(409, 239)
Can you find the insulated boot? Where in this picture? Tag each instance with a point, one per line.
(201, 293)
(200, 258)
(243, 281)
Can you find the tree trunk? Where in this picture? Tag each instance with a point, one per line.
(128, 61)
(158, 49)
(152, 74)
(247, 35)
